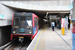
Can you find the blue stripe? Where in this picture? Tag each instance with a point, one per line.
(63, 39)
(34, 30)
(73, 20)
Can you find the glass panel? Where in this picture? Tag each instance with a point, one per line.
(29, 21)
(16, 21)
(35, 21)
(22, 22)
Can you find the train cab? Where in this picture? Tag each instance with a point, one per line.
(24, 25)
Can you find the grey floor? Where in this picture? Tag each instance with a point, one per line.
(46, 39)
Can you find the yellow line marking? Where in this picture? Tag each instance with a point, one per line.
(37, 41)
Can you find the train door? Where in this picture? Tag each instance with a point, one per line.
(26, 25)
(22, 25)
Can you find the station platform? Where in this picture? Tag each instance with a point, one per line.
(46, 39)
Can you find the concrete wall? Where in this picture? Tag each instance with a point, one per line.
(49, 3)
(7, 13)
(73, 12)
(5, 34)
(5, 22)
(53, 5)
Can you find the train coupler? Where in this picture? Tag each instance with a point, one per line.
(21, 39)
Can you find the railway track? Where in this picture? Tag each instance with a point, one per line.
(7, 45)
(18, 45)
(10, 45)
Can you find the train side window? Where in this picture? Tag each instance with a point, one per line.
(16, 21)
(29, 21)
(35, 21)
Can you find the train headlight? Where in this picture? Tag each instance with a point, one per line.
(30, 32)
(13, 31)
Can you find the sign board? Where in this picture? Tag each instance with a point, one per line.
(1, 16)
(63, 22)
(69, 16)
(70, 6)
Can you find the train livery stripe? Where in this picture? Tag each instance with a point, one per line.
(12, 20)
(12, 27)
(34, 30)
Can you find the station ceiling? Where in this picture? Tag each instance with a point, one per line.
(41, 14)
(28, 0)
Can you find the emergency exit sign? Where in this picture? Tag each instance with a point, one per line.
(1, 16)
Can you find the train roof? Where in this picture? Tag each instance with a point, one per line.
(23, 14)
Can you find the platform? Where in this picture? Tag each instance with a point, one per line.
(46, 39)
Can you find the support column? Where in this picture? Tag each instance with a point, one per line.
(73, 21)
(73, 35)
(63, 26)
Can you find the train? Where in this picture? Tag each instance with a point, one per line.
(25, 25)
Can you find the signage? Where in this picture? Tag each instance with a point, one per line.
(70, 6)
(69, 16)
(1, 16)
(63, 22)
(21, 30)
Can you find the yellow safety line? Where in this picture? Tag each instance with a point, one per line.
(37, 41)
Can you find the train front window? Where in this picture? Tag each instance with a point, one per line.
(16, 21)
(29, 21)
(22, 22)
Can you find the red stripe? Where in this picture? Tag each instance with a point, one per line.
(11, 37)
(34, 35)
(21, 34)
(12, 20)
(63, 25)
(61, 21)
(35, 15)
(17, 35)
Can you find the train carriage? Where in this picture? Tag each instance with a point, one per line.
(24, 25)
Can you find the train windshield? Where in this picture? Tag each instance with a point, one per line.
(29, 21)
(22, 20)
(16, 21)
